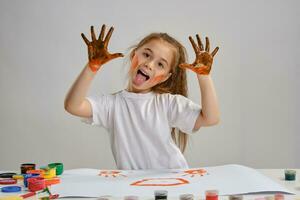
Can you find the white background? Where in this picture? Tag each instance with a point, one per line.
(255, 73)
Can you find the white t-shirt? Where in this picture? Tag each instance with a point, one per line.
(140, 127)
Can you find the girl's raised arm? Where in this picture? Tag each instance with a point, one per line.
(75, 101)
(210, 114)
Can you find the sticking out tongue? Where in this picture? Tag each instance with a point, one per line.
(139, 79)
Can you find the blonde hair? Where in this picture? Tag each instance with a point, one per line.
(176, 83)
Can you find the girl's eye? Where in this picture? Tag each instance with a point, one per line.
(161, 65)
(146, 55)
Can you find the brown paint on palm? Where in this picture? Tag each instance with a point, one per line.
(97, 48)
(204, 59)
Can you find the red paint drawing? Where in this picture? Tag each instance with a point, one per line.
(193, 172)
(160, 182)
(111, 173)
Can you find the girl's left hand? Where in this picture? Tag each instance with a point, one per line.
(204, 59)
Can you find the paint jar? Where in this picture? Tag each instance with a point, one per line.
(269, 197)
(27, 166)
(235, 197)
(49, 173)
(59, 167)
(211, 194)
(290, 175)
(279, 196)
(27, 176)
(161, 194)
(36, 171)
(131, 197)
(36, 184)
(103, 198)
(186, 197)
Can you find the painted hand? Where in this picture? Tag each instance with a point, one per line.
(97, 49)
(202, 64)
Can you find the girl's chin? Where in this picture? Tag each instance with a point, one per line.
(139, 88)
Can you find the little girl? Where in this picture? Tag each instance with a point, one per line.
(149, 118)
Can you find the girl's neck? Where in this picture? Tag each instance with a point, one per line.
(134, 90)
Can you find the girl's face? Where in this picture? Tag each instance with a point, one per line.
(150, 65)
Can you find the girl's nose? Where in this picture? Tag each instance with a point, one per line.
(149, 65)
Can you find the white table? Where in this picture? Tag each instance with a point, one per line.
(275, 174)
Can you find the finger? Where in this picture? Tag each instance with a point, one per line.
(194, 44)
(87, 42)
(199, 43)
(93, 33)
(106, 40)
(116, 55)
(207, 47)
(214, 51)
(101, 36)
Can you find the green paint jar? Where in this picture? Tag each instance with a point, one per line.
(59, 167)
(290, 175)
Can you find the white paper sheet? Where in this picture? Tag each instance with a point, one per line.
(227, 179)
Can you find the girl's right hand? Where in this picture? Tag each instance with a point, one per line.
(97, 49)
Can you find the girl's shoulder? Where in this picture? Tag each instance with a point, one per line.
(116, 93)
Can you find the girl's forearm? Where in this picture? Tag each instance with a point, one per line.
(79, 89)
(210, 107)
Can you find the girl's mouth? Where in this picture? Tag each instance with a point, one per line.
(140, 78)
(143, 74)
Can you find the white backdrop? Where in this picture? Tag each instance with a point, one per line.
(256, 75)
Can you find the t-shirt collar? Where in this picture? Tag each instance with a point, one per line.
(125, 93)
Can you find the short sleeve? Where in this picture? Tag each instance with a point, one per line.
(183, 113)
(101, 110)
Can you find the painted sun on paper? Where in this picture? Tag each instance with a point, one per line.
(111, 173)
